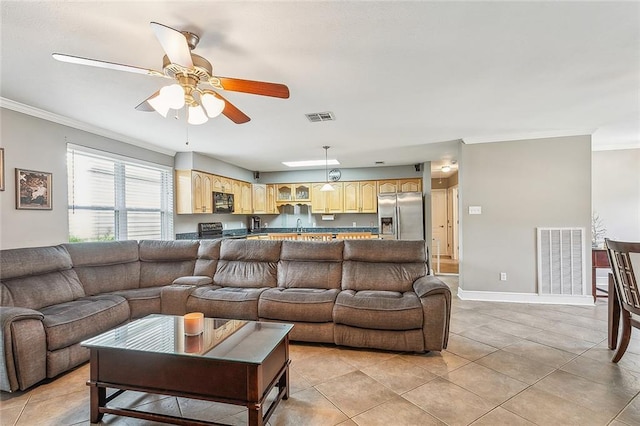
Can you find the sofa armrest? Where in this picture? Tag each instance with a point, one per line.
(428, 285)
(196, 280)
(9, 315)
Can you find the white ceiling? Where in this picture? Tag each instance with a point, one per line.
(403, 79)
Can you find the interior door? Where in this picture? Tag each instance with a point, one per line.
(439, 221)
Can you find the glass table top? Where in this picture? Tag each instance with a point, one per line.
(222, 339)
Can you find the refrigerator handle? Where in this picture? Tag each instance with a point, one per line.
(397, 223)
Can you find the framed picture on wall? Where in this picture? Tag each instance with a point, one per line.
(33, 190)
(1, 169)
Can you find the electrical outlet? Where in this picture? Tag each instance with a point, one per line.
(503, 276)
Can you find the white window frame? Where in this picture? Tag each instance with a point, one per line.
(120, 215)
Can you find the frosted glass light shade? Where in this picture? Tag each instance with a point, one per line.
(326, 187)
(212, 104)
(197, 115)
(171, 96)
(158, 103)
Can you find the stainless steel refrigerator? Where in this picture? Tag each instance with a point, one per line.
(401, 216)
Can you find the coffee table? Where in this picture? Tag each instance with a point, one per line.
(233, 361)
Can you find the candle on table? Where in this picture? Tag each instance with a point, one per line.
(193, 323)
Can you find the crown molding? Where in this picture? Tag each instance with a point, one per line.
(76, 124)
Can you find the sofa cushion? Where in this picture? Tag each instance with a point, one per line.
(161, 262)
(298, 304)
(103, 267)
(381, 276)
(247, 263)
(71, 322)
(208, 255)
(37, 277)
(142, 301)
(382, 310)
(228, 302)
(388, 251)
(310, 264)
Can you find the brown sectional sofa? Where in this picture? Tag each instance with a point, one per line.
(360, 293)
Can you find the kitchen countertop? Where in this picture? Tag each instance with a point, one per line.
(242, 233)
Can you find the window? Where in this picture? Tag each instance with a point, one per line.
(117, 198)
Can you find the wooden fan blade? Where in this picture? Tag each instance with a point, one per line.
(232, 112)
(174, 44)
(254, 87)
(104, 64)
(145, 106)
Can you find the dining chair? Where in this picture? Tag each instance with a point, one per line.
(624, 258)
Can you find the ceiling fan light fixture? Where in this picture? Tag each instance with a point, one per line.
(446, 169)
(159, 104)
(197, 115)
(174, 95)
(212, 104)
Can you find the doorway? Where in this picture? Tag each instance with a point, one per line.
(444, 220)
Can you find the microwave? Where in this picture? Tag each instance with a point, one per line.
(222, 202)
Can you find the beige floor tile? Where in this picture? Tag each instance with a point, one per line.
(544, 408)
(360, 358)
(513, 328)
(302, 350)
(540, 353)
(516, 366)
(501, 417)
(297, 381)
(489, 384)
(355, 393)
(440, 363)
(608, 399)
(348, 423)
(12, 400)
(562, 342)
(601, 352)
(468, 348)
(68, 382)
(449, 402)
(398, 411)
(491, 336)
(320, 368)
(308, 407)
(9, 416)
(67, 409)
(631, 413)
(206, 410)
(605, 373)
(398, 374)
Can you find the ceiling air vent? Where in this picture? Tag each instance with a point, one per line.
(315, 117)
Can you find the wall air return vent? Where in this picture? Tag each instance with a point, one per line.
(315, 117)
(561, 261)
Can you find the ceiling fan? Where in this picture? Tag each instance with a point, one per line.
(194, 82)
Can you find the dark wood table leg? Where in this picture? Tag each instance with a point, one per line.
(614, 314)
(255, 415)
(98, 396)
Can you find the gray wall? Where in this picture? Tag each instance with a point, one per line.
(520, 185)
(35, 144)
(616, 192)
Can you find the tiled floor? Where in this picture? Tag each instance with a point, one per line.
(506, 364)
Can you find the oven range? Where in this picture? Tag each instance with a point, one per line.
(210, 230)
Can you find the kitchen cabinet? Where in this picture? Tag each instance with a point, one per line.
(222, 184)
(360, 197)
(271, 206)
(329, 201)
(194, 192)
(392, 186)
(259, 198)
(293, 192)
(241, 197)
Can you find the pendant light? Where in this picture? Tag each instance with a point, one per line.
(327, 186)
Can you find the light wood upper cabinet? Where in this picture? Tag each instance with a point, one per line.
(259, 198)
(290, 192)
(388, 186)
(360, 197)
(271, 206)
(399, 185)
(241, 197)
(222, 184)
(284, 193)
(301, 192)
(410, 185)
(193, 192)
(329, 201)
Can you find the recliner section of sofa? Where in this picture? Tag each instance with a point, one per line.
(360, 293)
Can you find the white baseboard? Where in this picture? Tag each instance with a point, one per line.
(495, 296)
